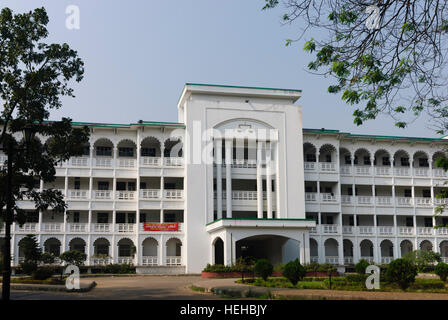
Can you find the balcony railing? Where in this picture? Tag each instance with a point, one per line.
(363, 200)
(383, 201)
(385, 230)
(101, 227)
(173, 194)
(327, 166)
(244, 195)
(404, 201)
(150, 261)
(369, 259)
(382, 171)
(365, 229)
(421, 172)
(330, 228)
(125, 195)
(150, 193)
(363, 170)
(332, 260)
(406, 230)
(348, 260)
(174, 162)
(347, 229)
(127, 163)
(427, 231)
(150, 161)
(244, 163)
(310, 166)
(173, 261)
(402, 171)
(328, 197)
(423, 202)
(442, 231)
(100, 261)
(79, 162)
(27, 227)
(104, 162)
(125, 260)
(102, 194)
(52, 227)
(386, 260)
(125, 227)
(78, 194)
(310, 196)
(77, 227)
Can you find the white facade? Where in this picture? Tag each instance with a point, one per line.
(208, 173)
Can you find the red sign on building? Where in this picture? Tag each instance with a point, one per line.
(152, 226)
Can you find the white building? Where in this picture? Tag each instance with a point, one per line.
(172, 197)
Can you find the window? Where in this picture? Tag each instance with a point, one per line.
(142, 217)
(426, 193)
(404, 162)
(131, 217)
(125, 152)
(102, 217)
(409, 222)
(328, 158)
(131, 186)
(121, 186)
(103, 185)
(407, 193)
(444, 221)
(32, 217)
(121, 217)
(124, 250)
(170, 217)
(86, 150)
(104, 151)
(75, 217)
(308, 189)
(350, 191)
(423, 162)
(102, 249)
(148, 152)
(310, 158)
(428, 222)
(348, 160)
(329, 219)
(386, 161)
(366, 160)
(142, 185)
(170, 186)
(355, 161)
(351, 221)
(77, 184)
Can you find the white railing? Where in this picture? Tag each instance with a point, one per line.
(382, 171)
(328, 197)
(125, 260)
(365, 229)
(330, 228)
(173, 194)
(332, 260)
(52, 227)
(404, 201)
(385, 230)
(244, 195)
(150, 193)
(173, 261)
(367, 258)
(125, 195)
(244, 163)
(125, 227)
(314, 259)
(364, 199)
(348, 260)
(383, 201)
(100, 261)
(362, 170)
(346, 199)
(403, 171)
(313, 230)
(174, 162)
(126, 163)
(439, 201)
(79, 162)
(77, 227)
(78, 194)
(442, 231)
(444, 259)
(327, 166)
(310, 166)
(427, 231)
(439, 173)
(101, 227)
(346, 170)
(151, 161)
(102, 194)
(386, 260)
(27, 227)
(406, 230)
(310, 196)
(347, 229)
(103, 162)
(423, 202)
(150, 261)
(421, 172)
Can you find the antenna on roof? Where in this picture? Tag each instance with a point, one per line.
(140, 121)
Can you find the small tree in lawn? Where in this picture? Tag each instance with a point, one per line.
(47, 258)
(422, 259)
(441, 270)
(32, 254)
(361, 266)
(294, 271)
(263, 268)
(402, 272)
(74, 257)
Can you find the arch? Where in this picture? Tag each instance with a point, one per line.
(331, 247)
(362, 156)
(382, 157)
(103, 142)
(327, 153)
(173, 247)
(101, 246)
(366, 247)
(387, 248)
(420, 159)
(236, 122)
(309, 152)
(218, 250)
(125, 247)
(151, 147)
(314, 248)
(345, 156)
(397, 158)
(173, 147)
(406, 246)
(444, 248)
(53, 245)
(77, 244)
(426, 245)
(150, 247)
(347, 247)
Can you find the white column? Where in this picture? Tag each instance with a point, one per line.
(218, 161)
(268, 180)
(259, 181)
(229, 147)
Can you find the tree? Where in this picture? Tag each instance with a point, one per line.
(422, 259)
(402, 272)
(441, 270)
(74, 257)
(263, 268)
(395, 67)
(294, 271)
(361, 266)
(32, 254)
(34, 76)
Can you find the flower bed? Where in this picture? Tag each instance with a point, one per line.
(236, 274)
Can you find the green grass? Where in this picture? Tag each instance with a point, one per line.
(197, 289)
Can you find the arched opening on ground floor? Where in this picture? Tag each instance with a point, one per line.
(331, 251)
(53, 246)
(150, 248)
(348, 251)
(218, 251)
(173, 252)
(426, 245)
(405, 247)
(444, 249)
(277, 249)
(387, 251)
(366, 247)
(314, 250)
(77, 244)
(101, 247)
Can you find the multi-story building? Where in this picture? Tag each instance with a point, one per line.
(239, 176)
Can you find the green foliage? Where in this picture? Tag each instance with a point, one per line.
(43, 273)
(294, 271)
(422, 259)
(317, 267)
(119, 269)
(30, 248)
(401, 272)
(358, 278)
(28, 267)
(441, 269)
(361, 266)
(47, 258)
(74, 257)
(263, 268)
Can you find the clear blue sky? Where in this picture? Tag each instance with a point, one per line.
(138, 54)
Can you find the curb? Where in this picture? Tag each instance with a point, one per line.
(55, 288)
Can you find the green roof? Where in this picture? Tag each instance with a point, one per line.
(242, 87)
(354, 135)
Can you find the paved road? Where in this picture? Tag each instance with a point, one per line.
(132, 288)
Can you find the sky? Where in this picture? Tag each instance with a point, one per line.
(138, 55)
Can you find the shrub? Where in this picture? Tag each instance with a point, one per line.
(47, 258)
(422, 259)
(119, 269)
(402, 272)
(263, 268)
(279, 267)
(30, 247)
(361, 266)
(356, 278)
(312, 267)
(28, 267)
(43, 273)
(74, 257)
(441, 270)
(294, 271)
(427, 284)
